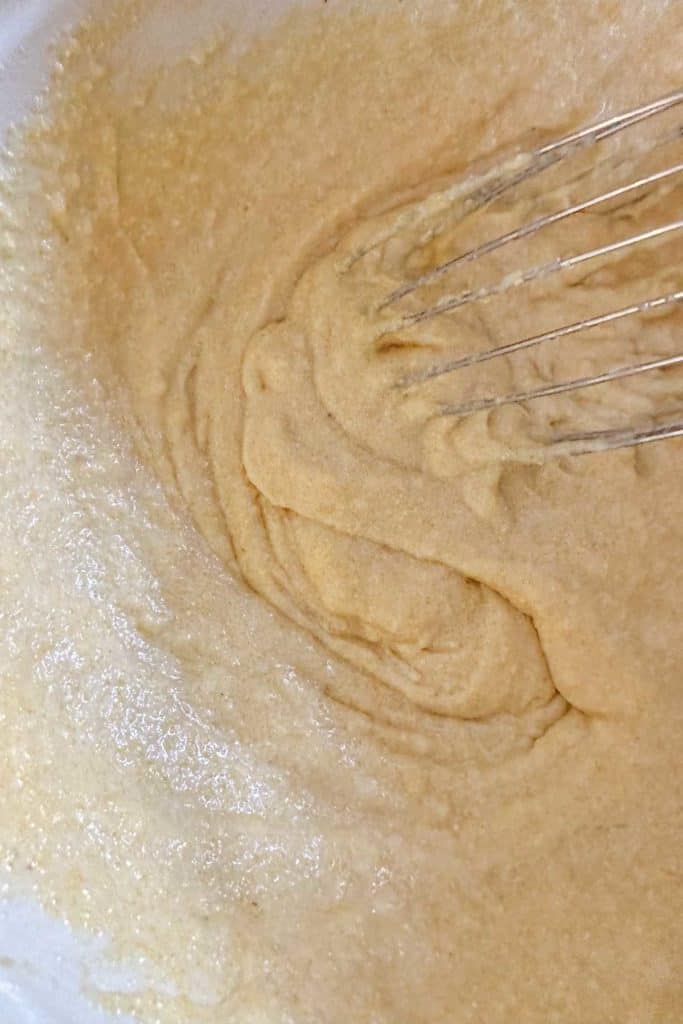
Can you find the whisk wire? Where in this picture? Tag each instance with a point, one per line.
(619, 373)
(535, 273)
(493, 187)
(526, 231)
(442, 369)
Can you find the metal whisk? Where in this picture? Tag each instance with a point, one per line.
(495, 185)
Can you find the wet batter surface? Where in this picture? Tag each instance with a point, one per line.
(328, 706)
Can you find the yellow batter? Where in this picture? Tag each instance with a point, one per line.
(331, 708)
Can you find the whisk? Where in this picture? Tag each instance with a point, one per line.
(495, 185)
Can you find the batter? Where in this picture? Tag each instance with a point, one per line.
(326, 707)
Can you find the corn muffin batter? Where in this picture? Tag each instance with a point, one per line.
(325, 706)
